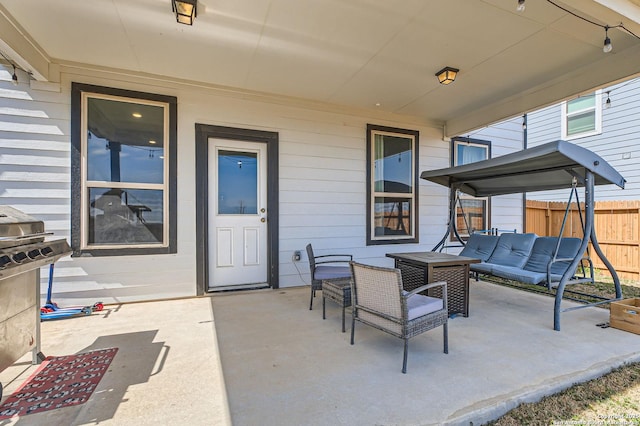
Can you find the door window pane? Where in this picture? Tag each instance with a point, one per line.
(237, 182)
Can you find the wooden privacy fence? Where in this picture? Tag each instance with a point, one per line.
(616, 224)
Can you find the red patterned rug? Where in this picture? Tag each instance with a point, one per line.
(59, 382)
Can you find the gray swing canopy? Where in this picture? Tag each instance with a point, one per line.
(544, 167)
(554, 165)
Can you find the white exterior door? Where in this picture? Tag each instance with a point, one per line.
(237, 219)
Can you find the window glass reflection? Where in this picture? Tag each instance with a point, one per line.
(125, 216)
(237, 182)
(392, 216)
(471, 216)
(125, 142)
(393, 164)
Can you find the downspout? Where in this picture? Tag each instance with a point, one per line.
(524, 194)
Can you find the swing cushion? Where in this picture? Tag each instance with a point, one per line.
(541, 254)
(480, 246)
(512, 250)
(568, 250)
(535, 268)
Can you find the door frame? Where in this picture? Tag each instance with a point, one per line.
(271, 139)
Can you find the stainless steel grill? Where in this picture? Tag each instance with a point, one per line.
(24, 248)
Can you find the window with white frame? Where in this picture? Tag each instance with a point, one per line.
(471, 212)
(123, 171)
(392, 187)
(582, 116)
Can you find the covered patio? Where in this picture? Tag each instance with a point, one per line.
(313, 75)
(262, 358)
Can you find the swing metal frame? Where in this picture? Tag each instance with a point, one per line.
(548, 166)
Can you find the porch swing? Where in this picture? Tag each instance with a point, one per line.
(554, 165)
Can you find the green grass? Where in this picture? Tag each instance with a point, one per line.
(612, 399)
(602, 288)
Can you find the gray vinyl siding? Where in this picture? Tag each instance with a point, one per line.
(619, 139)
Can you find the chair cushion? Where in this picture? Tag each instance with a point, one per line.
(480, 246)
(512, 249)
(419, 305)
(324, 272)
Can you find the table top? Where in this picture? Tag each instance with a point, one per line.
(434, 257)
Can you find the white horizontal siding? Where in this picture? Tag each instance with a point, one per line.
(322, 181)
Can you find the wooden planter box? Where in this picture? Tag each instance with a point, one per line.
(625, 315)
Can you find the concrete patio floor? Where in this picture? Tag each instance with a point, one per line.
(262, 358)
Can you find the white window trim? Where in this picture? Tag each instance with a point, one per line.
(598, 118)
(86, 184)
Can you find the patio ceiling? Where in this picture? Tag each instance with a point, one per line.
(372, 54)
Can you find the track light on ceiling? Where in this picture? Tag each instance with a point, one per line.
(607, 41)
(14, 77)
(520, 7)
(447, 75)
(185, 10)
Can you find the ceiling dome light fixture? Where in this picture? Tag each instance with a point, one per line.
(447, 75)
(185, 10)
(14, 77)
(607, 41)
(520, 7)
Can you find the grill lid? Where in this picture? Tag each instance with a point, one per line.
(18, 228)
(23, 245)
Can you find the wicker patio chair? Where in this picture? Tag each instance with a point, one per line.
(378, 300)
(325, 267)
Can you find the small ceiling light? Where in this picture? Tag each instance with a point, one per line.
(137, 115)
(14, 77)
(447, 75)
(607, 41)
(152, 142)
(520, 7)
(185, 10)
(607, 103)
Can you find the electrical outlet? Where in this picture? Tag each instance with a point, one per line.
(297, 255)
